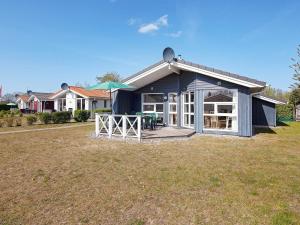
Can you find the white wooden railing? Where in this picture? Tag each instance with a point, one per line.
(125, 126)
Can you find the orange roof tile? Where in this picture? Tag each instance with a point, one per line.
(24, 97)
(86, 93)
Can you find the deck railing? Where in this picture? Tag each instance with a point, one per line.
(125, 126)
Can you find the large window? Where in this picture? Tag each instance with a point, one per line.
(172, 109)
(153, 103)
(61, 104)
(220, 110)
(188, 99)
(81, 103)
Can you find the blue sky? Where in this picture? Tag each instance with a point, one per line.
(44, 43)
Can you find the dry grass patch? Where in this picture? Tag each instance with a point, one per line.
(64, 177)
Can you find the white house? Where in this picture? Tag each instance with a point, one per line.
(79, 98)
(22, 101)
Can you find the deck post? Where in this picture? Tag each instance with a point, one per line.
(124, 126)
(110, 124)
(139, 122)
(97, 120)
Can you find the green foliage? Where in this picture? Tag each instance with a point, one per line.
(284, 112)
(82, 115)
(61, 117)
(104, 110)
(294, 98)
(31, 119)
(5, 107)
(296, 68)
(45, 118)
(276, 93)
(110, 76)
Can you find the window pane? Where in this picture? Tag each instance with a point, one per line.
(172, 119)
(149, 98)
(83, 103)
(208, 108)
(218, 96)
(192, 96)
(186, 98)
(224, 108)
(220, 122)
(149, 108)
(173, 108)
(186, 108)
(78, 103)
(186, 120)
(192, 108)
(160, 118)
(192, 120)
(173, 98)
(159, 107)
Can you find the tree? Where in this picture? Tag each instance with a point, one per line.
(296, 68)
(276, 93)
(9, 97)
(110, 76)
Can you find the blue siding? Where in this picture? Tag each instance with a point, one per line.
(189, 81)
(264, 113)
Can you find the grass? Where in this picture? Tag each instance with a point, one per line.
(64, 177)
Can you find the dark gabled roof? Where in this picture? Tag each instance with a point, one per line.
(42, 95)
(210, 69)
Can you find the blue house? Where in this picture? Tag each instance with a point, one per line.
(189, 95)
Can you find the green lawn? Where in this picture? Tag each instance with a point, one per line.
(64, 177)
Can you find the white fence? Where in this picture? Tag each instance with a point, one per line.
(125, 126)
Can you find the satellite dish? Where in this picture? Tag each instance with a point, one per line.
(64, 86)
(168, 55)
(29, 92)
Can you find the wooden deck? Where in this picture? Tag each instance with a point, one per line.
(167, 132)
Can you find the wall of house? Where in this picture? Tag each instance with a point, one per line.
(263, 113)
(130, 102)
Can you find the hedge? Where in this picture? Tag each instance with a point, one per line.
(82, 115)
(104, 110)
(61, 117)
(3, 106)
(45, 117)
(284, 113)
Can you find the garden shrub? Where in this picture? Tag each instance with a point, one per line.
(45, 118)
(104, 110)
(61, 117)
(2, 123)
(284, 112)
(31, 119)
(82, 115)
(4, 107)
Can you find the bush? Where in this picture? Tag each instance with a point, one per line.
(3, 113)
(31, 120)
(4, 107)
(82, 115)
(61, 117)
(45, 118)
(2, 123)
(102, 110)
(284, 112)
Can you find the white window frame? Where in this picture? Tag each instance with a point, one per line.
(61, 106)
(232, 115)
(189, 113)
(154, 104)
(80, 103)
(169, 105)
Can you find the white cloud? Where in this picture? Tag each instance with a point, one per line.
(154, 26)
(175, 34)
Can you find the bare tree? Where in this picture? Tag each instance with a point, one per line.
(109, 76)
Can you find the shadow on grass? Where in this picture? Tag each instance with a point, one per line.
(282, 123)
(263, 130)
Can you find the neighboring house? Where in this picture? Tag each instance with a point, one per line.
(188, 95)
(40, 102)
(22, 101)
(79, 98)
(298, 112)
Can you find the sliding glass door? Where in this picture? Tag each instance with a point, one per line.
(173, 109)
